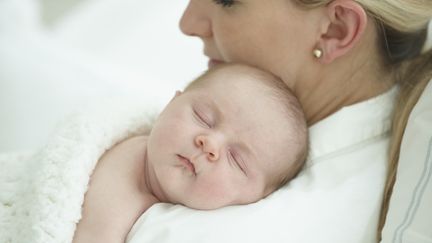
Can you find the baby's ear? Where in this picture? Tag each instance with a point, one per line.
(178, 93)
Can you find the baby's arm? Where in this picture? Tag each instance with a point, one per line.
(115, 198)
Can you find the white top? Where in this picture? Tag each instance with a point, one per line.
(336, 198)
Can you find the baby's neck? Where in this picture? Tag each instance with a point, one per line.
(150, 182)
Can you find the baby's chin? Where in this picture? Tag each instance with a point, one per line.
(210, 205)
(212, 202)
(205, 207)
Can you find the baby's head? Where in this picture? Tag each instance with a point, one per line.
(233, 136)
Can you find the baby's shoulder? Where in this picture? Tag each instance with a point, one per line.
(132, 148)
(132, 143)
(136, 140)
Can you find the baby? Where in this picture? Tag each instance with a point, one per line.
(233, 136)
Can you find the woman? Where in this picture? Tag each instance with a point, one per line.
(333, 54)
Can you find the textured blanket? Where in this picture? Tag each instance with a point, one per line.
(41, 193)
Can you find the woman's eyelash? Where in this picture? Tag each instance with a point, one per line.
(225, 3)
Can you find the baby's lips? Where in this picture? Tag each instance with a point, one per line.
(187, 163)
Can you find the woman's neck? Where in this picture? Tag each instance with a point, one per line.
(337, 88)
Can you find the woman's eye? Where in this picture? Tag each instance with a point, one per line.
(225, 3)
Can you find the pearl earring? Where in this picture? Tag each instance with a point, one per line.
(317, 53)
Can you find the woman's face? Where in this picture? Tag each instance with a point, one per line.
(268, 34)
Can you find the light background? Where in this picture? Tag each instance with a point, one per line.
(57, 55)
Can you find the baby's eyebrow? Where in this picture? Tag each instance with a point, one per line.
(217, 110)
(211, 104)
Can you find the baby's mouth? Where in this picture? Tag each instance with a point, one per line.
(187, 163)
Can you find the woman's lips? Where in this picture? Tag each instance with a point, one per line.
(186, 163)
(214, 62)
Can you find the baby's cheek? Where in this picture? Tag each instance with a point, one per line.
(167, 135)
(213, 195)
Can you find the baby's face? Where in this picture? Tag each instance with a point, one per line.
(219, 144)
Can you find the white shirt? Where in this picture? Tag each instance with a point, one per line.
(336, 198)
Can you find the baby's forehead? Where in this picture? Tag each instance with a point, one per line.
(247, 93)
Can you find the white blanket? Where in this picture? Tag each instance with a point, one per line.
(41, 193)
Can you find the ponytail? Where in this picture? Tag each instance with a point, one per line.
(414, 76)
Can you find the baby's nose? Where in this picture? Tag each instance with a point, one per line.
(209, 146)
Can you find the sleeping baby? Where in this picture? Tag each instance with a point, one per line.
(233, 136)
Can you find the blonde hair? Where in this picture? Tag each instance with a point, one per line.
(402, 29)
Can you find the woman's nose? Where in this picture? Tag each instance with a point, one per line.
(209, 146)
(196, 20)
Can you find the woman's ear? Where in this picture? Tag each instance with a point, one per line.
(346, 24)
